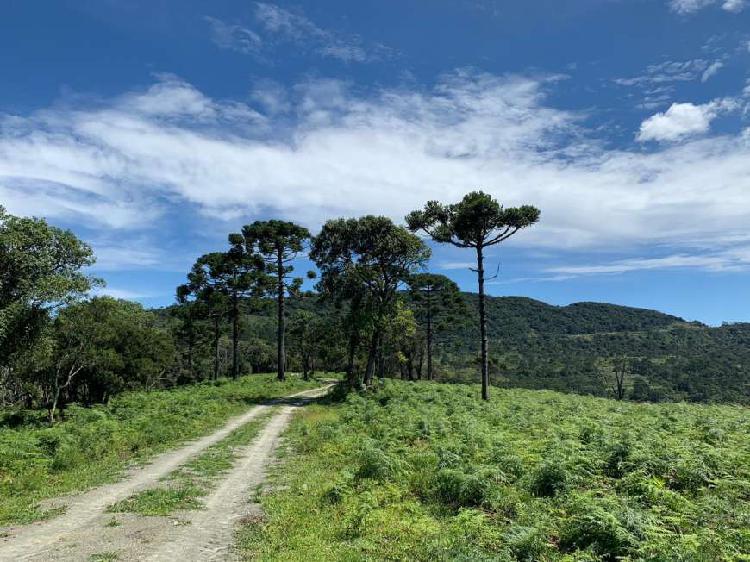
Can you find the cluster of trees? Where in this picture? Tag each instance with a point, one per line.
(375, 311)
(382, 311)
(54, 347)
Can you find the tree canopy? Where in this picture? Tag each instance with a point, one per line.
(366, 260)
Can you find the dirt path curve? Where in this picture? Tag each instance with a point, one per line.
(85, 513)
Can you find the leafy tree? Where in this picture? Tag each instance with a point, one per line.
(402, 335)
(366, 260)
(477, 221)
(435, 299)
(188, 333)
(40, 270)
(244, 275)
(101, 347)
(307, 329)
(278, 243)
(207, 285)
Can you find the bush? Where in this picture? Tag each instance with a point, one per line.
(458, 489)
(376, 464)
(593, 526)
(549, 479)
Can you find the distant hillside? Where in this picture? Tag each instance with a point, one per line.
(569, 348)
(509, 316)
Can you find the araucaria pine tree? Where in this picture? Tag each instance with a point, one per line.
(279, 243)
(477, 221)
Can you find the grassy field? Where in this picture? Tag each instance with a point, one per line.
(93, 445)
(429, 472)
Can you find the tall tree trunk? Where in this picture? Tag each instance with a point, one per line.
(235, 335)
(372, 354)
(483, 327)
(305, 366)
(280, 353)
(350, 374)
(429, 333)
(190, 354)
(190, 342)
(216, 347)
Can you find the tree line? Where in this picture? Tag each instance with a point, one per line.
(375, 311)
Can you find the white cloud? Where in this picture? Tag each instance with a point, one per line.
(124, 294)
(271, 96)
(120, 163)
(711, 70)
(734, 259)
(276, 25)
(691, 6)
(137, 254)
(622, 266)
(233, 36)
(682, 120)
(733, 5)
(669, 71)
(659, 81)
(457, 264)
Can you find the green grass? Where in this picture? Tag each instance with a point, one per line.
(184, 488)
(430, 472)
(93, 445)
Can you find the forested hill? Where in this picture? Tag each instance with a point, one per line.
(575, 348)
(520, 315)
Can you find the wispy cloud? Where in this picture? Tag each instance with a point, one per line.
(731, 260)
(657, 83)
(672, 71)
(623, 266)
(457, 265)
(691, 6)
(234, 36)
(715, 67)
(120, 163)
(125, 294)
(273, 25)
(136, 254)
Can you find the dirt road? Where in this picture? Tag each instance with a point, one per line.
(83, 532)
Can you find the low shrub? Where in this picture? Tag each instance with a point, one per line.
(549, 479)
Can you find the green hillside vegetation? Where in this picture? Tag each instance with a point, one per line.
(429, 472)
(571, 348)
(93, 445)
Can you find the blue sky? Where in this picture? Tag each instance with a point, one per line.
(153, 129)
